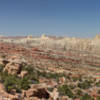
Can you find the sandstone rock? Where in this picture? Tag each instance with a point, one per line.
(13, 91)
(23, 95)
(2, 88)
(77, 99)
(23, 73)
(51, 83)
(13, 68)
(13, 97)
(42, 80)
(65, 98)
(1, 98)
(30, 92)
(50, 98)
(97, 37)
(62, 80)
(54, 94)
(3, 92)
(3, 61)
(32, 98)
(39, 86)
(39, 93)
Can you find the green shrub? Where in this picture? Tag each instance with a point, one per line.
(1, 67)
(98, 98)
(65, 90)
(23, 83)
(75, 79)
(14, 82)
(32, 75)
(84, 85)
(51, 75)
(10, 83)
(98, 91)
(72, 86)
(98, 83)
(86, 97)
(50, 89)
(28, 68)
(79, 93)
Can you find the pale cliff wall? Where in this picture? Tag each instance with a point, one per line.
(60, 43)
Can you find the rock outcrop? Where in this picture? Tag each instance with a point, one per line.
(13, 68)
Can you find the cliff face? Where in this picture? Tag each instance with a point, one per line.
(59, 43)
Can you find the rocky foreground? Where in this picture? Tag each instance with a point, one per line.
(30, 72)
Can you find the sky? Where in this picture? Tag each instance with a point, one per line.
(79, 18)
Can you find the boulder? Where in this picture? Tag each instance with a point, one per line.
(23, 95)
(65, 98)
(62, 80)
(13, 97)
(23, 73)
(2, 88)
(30, 93)
(51, 83)
(3, 61)
(54, 94)
(32, 98)
(13, 68)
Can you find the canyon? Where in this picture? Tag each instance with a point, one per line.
(50, 66)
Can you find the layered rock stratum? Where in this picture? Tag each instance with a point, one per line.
(49, 68)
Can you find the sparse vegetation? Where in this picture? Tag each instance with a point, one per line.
(79, 93)
(84, 85)
(65, 90)
(98, 84)
(13, 82)
(62, 72)
(86, 97)
(98, 98)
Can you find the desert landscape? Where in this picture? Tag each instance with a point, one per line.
(49, 49)
(49, 68)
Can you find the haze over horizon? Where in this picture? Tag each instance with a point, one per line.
(79, 18)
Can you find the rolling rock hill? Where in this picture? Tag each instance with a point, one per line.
(49, 68)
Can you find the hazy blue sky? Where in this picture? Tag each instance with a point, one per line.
(54, 17)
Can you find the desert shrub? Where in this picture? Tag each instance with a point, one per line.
(98, 91)
(72, 86)
(65, 90)
(50, 89)
(10, 83)
(86, 97)
(84, 85)
(75, 79)
(33, 78)
(3, 76)
(51, 75)
(44, 74)
(28, 68)
(79, 92)
(1, 67)
(13, 82)
(3, 56)
(32, 74)
(98, 98)
(98, 83)
(23, 83)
